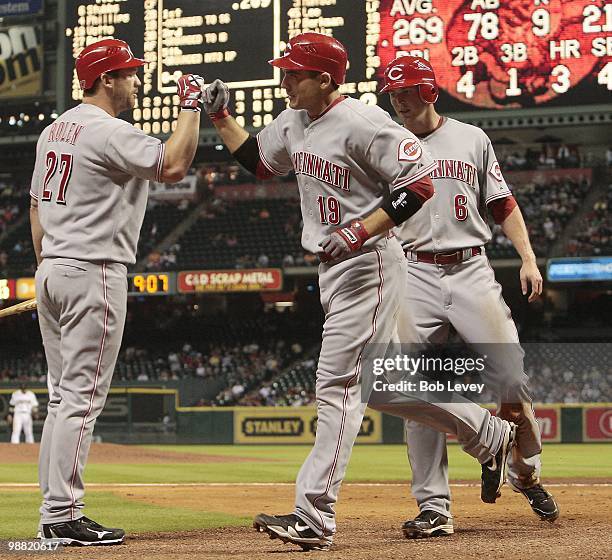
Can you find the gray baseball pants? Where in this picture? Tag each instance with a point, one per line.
(360, 297)
(467, 296)
(81, 313)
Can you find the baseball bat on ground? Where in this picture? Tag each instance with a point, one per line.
(22, 307)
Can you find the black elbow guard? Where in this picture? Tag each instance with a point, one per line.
(402, 204)
(247, 154)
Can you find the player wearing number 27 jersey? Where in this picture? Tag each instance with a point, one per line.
(89, 193)
(450, 282)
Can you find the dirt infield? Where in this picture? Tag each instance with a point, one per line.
(128, 454)
(369, 518)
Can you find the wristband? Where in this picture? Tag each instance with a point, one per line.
(219, 115)
(355, 235)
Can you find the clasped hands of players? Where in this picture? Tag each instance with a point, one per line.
(215, 98)
(190, 89)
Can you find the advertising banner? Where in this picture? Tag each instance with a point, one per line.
(597, 423)
(20, 61)
(293, 425)
(20, 8)
(214, 281)
(187, 188)
(549, 420)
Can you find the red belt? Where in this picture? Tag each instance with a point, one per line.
(443, 258)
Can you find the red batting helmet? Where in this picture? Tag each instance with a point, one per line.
(317, 52)
(408, 71)
(104, 56)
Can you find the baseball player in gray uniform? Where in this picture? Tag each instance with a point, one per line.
(22, 406)
(89, 193)
(450, 282)
(347, 156)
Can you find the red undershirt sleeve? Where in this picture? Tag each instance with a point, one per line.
(501, 208)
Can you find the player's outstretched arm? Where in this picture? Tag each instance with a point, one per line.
(232, 134)
(181, 147)
(36, 229)
(515, 229)
(216, 98)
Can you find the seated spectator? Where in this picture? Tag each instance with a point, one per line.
(310, 259)
(263, 261)
(547, 158)
(563, 156)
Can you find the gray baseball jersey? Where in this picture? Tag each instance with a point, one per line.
(346, 161)
(467, 176)
(342, 172)
(465, 295)
(91, 179)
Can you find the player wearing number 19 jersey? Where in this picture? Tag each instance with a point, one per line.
(450, 282)
(349, 158)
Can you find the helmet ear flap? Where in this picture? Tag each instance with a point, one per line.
(428, 93)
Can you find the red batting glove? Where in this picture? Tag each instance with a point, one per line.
(343, 241)
(189, 89)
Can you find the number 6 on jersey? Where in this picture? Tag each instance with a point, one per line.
(461, 211)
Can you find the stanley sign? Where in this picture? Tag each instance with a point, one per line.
(286, 424)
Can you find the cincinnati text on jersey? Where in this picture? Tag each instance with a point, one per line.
(319, 168)
(455, 169)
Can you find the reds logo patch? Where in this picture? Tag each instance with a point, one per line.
(496, 171)
(409, 150)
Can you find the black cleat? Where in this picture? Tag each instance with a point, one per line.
(494, 471)
(81, 532)
(290, 528)
(428, 524)
(542, 502)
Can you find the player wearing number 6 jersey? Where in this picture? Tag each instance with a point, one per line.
(450, 282)
(358, 174)
(89, 193)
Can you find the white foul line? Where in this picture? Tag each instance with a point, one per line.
(256, 484)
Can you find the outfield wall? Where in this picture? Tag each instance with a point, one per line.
(154, 415)
(271, 425)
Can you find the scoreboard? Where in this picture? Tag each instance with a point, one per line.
(488, 54)
(7, 289)
(151, 283)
